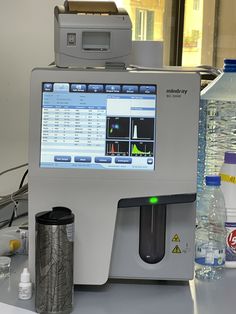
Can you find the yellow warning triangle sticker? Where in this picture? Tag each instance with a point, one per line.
(176, 238)
(176, 249)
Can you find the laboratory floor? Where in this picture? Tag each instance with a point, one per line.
(194, 297)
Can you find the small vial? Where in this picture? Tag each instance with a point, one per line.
(25, 286)
(5, 263)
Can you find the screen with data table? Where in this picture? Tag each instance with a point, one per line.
(98, 126)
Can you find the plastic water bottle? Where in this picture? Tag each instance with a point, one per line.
(217, 122)
(210, 232)
(228, 187)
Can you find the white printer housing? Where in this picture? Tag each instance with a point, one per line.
(91, 38)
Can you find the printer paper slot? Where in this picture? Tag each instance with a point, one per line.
(91, 7)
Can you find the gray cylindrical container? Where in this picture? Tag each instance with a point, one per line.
(54, 261)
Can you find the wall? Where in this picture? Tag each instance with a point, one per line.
(26, 41)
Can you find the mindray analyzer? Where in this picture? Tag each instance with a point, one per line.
(119, 148)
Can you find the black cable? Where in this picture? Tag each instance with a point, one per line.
(12, 215)
(23, 178)
(15, 208)
(5, 222)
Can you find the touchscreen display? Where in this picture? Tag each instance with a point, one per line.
(98, 126)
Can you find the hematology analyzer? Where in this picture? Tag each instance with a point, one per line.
(119, 148)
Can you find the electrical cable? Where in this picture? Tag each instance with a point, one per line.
(14, 212)
(20, 194)
(23, 178)
(14, 168)
(5, 222)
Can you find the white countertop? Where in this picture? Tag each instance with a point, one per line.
(194, 297)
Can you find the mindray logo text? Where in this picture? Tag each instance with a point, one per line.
(177, 91)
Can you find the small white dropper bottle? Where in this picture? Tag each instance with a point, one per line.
(25, 286)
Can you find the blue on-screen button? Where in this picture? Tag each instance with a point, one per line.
(82, 159)
(122, 160)
(62, 158)
(149, 161)
(103, 160)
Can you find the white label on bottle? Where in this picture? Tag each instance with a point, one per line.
(25, 293)
(209, 257)
(70, 232)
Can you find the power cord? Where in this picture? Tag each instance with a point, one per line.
(5, 222)
(15, 197)
(14, 168)
(14, 212)
(21, 194)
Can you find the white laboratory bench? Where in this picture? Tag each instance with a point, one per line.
(194, 297)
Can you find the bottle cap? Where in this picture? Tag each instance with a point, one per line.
(213, 180)
(230, 65)
(25, 275)
(230, 157)
(14, 245)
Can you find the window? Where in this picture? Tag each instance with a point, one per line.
(215, 21)
(147, 17)
(196, 4)
(144, 25)
(192, 39)
(151, 20)
(209, 28)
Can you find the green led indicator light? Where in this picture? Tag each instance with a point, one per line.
(153, 200)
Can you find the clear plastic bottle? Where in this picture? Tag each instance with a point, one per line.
(217, 122)
(210, 232)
